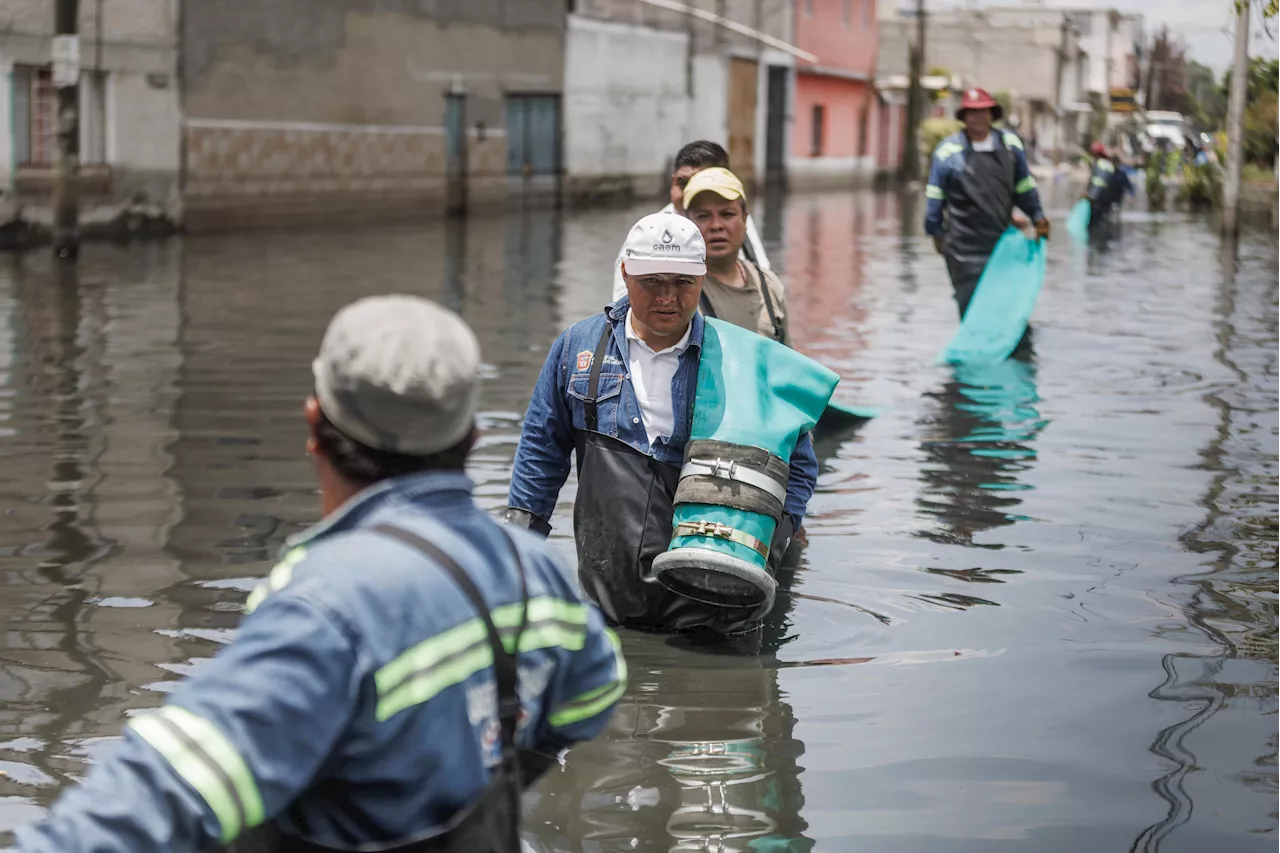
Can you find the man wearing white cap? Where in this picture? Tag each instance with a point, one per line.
(617, 390)
(689, 161)
(401, 672)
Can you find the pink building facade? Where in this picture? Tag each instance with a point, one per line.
(842, 131)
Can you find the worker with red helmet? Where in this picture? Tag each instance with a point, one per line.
(977, 176)
(1099, 192)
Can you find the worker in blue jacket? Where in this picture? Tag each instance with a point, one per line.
(401, 672)
(617, 390)
(977, 176)
(1100, 192)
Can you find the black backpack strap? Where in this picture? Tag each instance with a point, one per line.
(779, 333)
(593, 383)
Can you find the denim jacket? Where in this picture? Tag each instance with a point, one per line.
(356, 704)
(557, 410)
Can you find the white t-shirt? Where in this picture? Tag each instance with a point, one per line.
(753, 238)
(651, 375)
(987, 145)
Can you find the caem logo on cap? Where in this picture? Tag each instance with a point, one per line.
(666, 244)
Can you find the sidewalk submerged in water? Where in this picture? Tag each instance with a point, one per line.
(26, 227)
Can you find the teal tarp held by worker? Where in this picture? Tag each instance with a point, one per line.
(617, 392)
(755, 400)
(403, 670)
(976, 177)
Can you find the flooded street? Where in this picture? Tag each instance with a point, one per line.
(1037, 610)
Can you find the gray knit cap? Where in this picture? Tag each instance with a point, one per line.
(399, 374)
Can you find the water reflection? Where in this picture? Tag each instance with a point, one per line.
(151, 463)
(701, 755)
(980, 438)
(1233, 602)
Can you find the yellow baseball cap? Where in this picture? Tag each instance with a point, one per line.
(717, 180)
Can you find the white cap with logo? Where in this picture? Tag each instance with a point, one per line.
(664, 243)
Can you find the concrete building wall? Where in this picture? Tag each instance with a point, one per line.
(347, 114)
(772, 17)
(1022, 58)
(6, 116)
(723, 77)
(143, 135)
(1125, 50)
(1105, 36)
(626, 104)
(134, 45)
(1012, 49)
(709, 108)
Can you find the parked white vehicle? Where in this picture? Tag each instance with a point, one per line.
(1168, 125)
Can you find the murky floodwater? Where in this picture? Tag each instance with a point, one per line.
(1037, 610)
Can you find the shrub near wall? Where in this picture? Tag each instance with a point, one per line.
(932, 132)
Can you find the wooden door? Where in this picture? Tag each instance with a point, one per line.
(742, 116)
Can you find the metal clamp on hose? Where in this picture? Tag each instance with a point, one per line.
(729, 469)
(717, 530)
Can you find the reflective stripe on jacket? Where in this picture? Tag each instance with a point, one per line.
(356, 704)
(949, 158)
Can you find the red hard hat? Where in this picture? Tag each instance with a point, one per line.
(979, 99)
(1097, 149)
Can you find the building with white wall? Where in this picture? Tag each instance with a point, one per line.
(1111, 42)
(1037, 66)
(642, 79)
(129, 102)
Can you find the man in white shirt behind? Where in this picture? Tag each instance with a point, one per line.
(690, 160)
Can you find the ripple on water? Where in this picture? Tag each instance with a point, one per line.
(1085, 534)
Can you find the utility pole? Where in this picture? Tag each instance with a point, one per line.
(915, 100)
(66, 79)
(1235, 123)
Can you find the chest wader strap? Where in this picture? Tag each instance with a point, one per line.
(505, 670)
(593, 384)
(705, 304)
(779, 333)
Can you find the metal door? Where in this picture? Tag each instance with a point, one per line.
(533, 134)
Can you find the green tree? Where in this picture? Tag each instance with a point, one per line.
(1167, 72)
(1204, 102)
(1260, 119)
